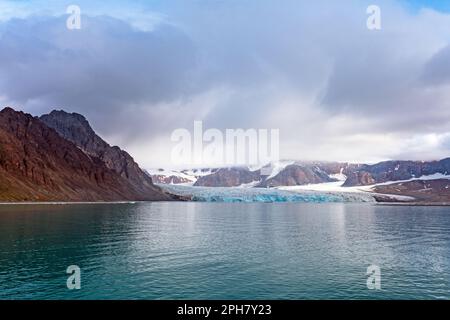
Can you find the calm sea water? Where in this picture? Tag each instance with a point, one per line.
(224, 251)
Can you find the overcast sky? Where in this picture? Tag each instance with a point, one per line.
(335, 89)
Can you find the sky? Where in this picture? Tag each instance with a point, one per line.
(138, 70)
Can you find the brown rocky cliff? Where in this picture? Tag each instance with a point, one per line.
(75, 128)
(37, 164)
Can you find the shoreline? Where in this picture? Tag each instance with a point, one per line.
(415, 204)
(69, 202)
(380, 203)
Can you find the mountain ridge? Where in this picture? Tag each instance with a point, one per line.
(302, 173)
(38, 164)
(75, 128)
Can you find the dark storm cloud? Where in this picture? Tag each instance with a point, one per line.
(106, 70)
(322, 51)
(312, 69)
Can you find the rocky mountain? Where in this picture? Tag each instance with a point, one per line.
(38, 164)
(172, 177)
(184, 176)
(294, 173)
(394, 171)
(287, 174)
(229, 177)
(59, 157)
(298, 174)
(75, 128)
(388, 181)
(169, 179)
(431, 191)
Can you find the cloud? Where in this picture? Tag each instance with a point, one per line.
(106, 70)
(334, 89)
(437, 69)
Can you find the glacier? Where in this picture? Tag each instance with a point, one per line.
(231, 195)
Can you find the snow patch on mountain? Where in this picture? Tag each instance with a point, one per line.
(435, 176)
(274, 168)
(339, 176)
(171, 175)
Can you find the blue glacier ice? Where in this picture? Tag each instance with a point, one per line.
(230, 195)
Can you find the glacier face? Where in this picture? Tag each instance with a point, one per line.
(209, 194)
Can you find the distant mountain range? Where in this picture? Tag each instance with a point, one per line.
(58, 157)
(297, 173)
(427, 181)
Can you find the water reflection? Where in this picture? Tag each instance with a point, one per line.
(224, 251)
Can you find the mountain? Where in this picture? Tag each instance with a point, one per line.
(75, 128)
(38, 164)
(170, 177)
(59, 157)
(394, 171)
(298, 174)
(229, 177)
(285, 173)
(431, 191)
(185, 176)
(295, 173)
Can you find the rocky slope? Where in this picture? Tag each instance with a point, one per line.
(293, 174)
(75, 128)
(432, 191)
(172, 177)
(298, 174)
(229, 177)
(38, 164)
(394, 171)
(169, 179)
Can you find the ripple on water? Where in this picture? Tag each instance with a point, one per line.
(224, 251)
